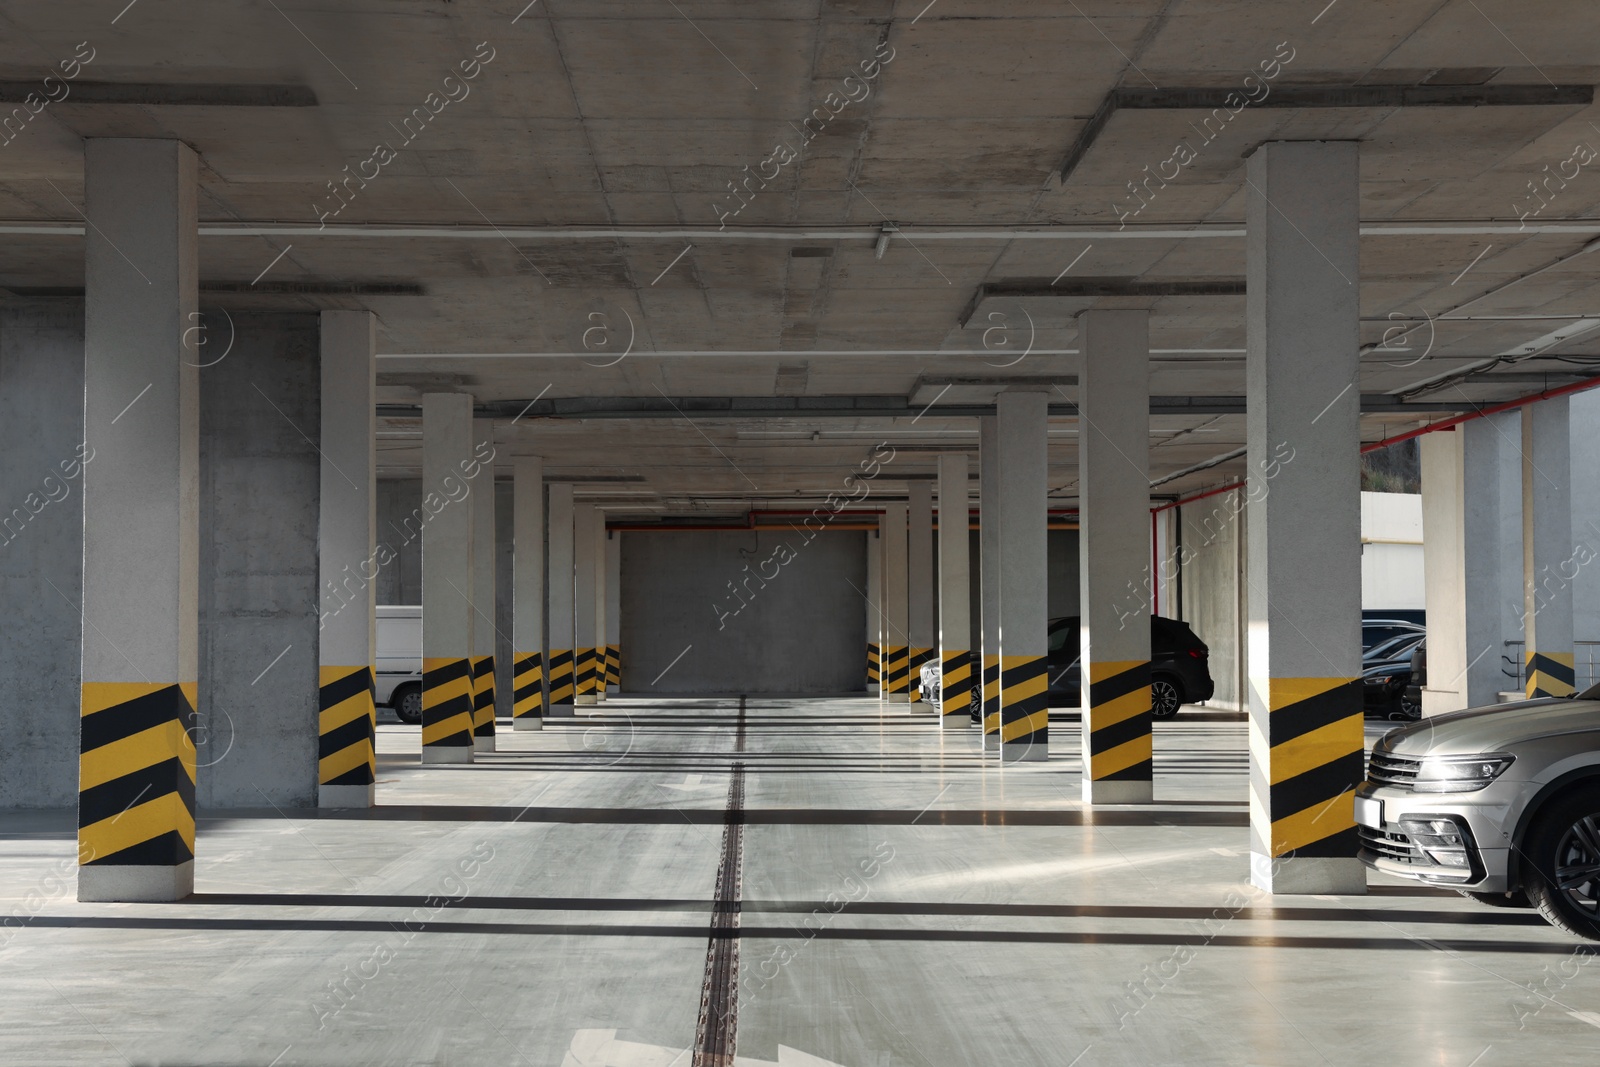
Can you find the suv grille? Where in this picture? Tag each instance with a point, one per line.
(1387, 769)
(1389, 846)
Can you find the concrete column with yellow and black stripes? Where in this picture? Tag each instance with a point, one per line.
(1114, 555)
(1547, 554)
(1023, 495)
(897, 651)
(140, 523)
(558, 588)
(1303, 532)
(483, 589)
(583, 604)
(874, 595)
(989, 577)
(346, 541)
(450, 478)
(613, 546)
(955, 594)
(602, 646)
(920, 579)
(527, 593)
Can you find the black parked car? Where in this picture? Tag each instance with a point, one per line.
(1179, 665)
(1388, 687)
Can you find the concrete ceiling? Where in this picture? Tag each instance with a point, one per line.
(570, 207)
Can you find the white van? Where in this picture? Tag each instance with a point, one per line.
(399, 681)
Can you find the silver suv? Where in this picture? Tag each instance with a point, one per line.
(1501, 803)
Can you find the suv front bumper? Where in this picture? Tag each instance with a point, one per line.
(1387, 844)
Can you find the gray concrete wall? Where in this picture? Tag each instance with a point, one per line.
(401, 581)
(41, 545)
(259, 484)
(1212, 557)
(802, 632)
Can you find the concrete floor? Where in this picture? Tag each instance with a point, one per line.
(550, 906)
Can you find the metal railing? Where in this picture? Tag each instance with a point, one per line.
(1586, 664)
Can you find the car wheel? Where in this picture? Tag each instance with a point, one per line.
(1409, 708)
(1519, 899)
(1563, 851)
(1165, 697)
(407, 704)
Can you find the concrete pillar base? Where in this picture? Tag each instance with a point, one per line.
(1117, 792)
(346, 796)
(991, 742)
(960, 721)
(584, 698)
(116, 884)
(560, 711)
(1024, 753)
(447, 754)
(527, 722)
(483, 743)
(1308, 874)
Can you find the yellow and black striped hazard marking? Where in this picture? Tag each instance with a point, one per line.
(991, 694)
(1118, 722)
(447, 702)
(346, 725)
(583, 666)
(915, 658)
(1551, 674)
(613, 665)
(527, 685)
(136, 774)
(602, 667)
(561, 690)
(895, 664)
(955, 683)
(483, 696)
(872, 663)
(1024, 700)
(1314, 763)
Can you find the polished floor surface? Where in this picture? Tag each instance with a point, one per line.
(879, 894)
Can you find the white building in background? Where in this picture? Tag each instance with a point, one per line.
(1391, 552)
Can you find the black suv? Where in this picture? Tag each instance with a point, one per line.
(1179, 665)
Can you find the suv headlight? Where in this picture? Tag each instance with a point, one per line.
(1460, 774)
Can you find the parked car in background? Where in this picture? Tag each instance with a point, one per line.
(1501, 803)
(1376, 631)
(1179, 665)
(1387, 688)
(399, 674)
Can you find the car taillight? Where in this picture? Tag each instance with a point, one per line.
(1197, 653)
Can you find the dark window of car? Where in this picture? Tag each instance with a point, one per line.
(1062, 633)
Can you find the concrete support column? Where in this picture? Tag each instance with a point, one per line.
(1114, 553)
(1304, 516)
(1548, 560)
(602, 645)
(140, 524)
(447, 578)
(955, 592)
(613, 545)
(483, 598)
(1022, 501)
(989, 574)
(873, 598)
(892, 532)
(1445, 509)
(560, 588)
(527, 594)
(1487, 503)
(347, 653)
(583, 603)
(919, 585)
